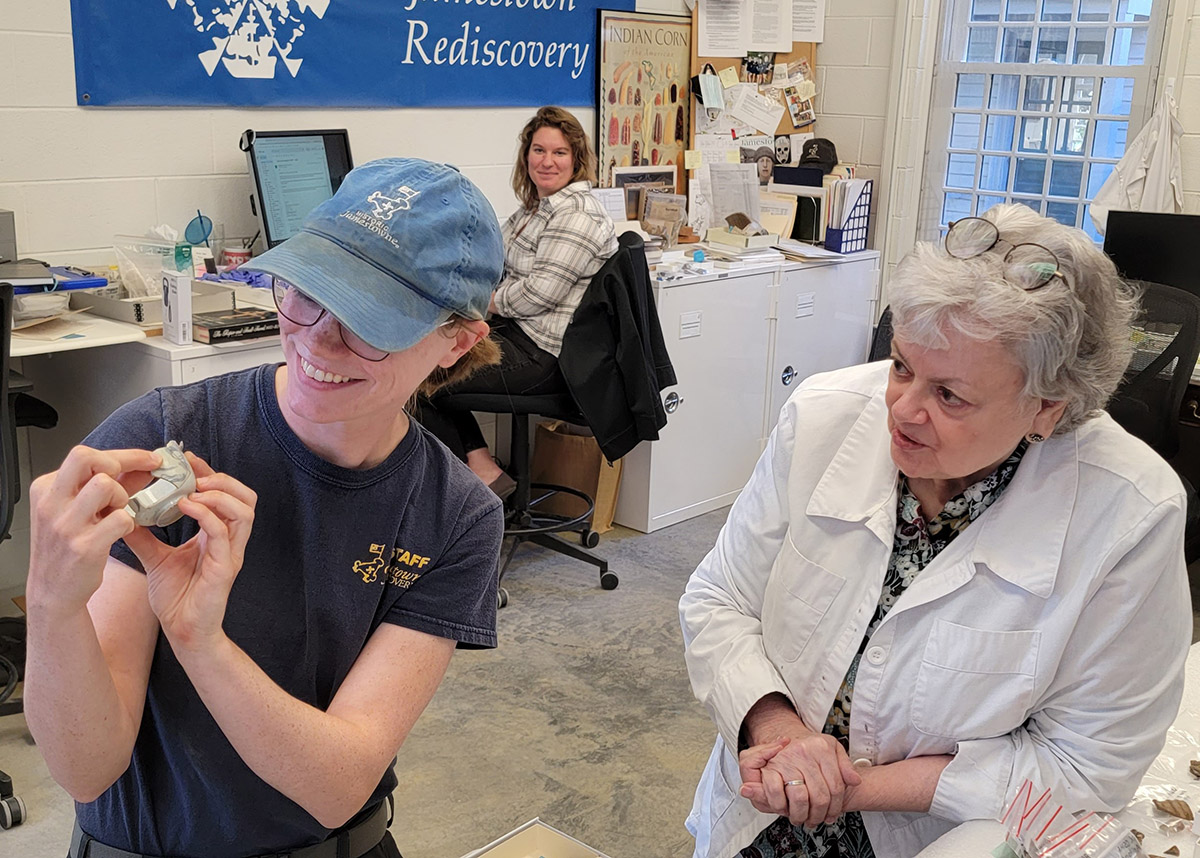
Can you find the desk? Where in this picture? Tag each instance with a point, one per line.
(978, 837)
(741, 341)
(99, 332)
(85, 378)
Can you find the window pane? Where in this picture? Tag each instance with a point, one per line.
(1116, 95)
(998, 136)
(1035, 204)
(964, 131)
(1088, 227)
(956, 206)
(1065, 178)
(1129, 46)
(986, 203)
(994, 175)
(1029, 175)
(1089, 45)
(985, 10)
(1094, 10)
(1039, 93)
(1109, 141)
(1063, 212)
(1004, 91)
(1072, 134)
(1052, 44)
(1020, 10)
(1033, 134)
(1096, 177)
(960, 171)
(1056, 10)
(981, 45)
(1018, 45)
(1077, 94)
(969, 92)
(1132, 10)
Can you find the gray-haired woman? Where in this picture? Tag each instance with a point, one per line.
(949, 572)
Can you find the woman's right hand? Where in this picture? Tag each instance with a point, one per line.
(76, 513)
(816, 761)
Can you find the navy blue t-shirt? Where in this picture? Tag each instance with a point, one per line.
(333, 554)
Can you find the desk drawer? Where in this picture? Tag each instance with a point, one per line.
(195, 369)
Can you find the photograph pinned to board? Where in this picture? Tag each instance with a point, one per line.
(801, 110)
(758, 150)
(643, 89)
(634, 180)
(758, 67)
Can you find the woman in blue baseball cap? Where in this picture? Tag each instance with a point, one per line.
(553, 244)
(238, 685)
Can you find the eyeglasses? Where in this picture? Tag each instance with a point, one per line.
(302, 310)
(1030, 266)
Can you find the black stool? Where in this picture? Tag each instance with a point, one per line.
(523, 520)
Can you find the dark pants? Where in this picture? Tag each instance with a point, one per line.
(386, 849)
(524, 370)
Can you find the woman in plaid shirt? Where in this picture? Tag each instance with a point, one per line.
(553, 244)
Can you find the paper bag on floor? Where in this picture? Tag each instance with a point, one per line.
(564, 457)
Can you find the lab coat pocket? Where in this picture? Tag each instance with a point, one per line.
(798, 595)
(974, 683)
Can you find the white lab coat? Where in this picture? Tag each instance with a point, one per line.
(1047, 641)
(1147, 178)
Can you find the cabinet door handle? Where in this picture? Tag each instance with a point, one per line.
(672, 402)
(788, 376)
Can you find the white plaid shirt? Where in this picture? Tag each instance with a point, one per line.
(550, 256)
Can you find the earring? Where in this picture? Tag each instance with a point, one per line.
(1035, 438)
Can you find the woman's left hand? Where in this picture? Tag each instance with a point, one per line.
(189, 584)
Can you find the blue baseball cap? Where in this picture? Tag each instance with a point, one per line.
(403, 245)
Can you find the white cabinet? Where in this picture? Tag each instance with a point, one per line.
(716, 331)
(740, 342)
(87, 385)
(823, 318)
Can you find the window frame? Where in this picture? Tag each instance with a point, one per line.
(953, 38)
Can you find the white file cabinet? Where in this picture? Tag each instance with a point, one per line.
(85, 386)
(716, 330)
(823, 319)
(732, 339)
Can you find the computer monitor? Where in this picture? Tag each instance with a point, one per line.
(1154, 246)
(294, 172)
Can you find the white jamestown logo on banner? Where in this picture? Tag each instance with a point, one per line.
(247, 34)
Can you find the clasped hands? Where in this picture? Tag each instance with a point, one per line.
(78, 512)
(806, 777)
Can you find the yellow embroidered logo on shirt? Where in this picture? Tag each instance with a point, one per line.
(400, 571)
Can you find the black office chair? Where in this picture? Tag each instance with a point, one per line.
(1148, 401)
(17, 408)
(881, 339)
(614, 381)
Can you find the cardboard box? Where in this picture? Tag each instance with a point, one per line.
(177, 306)
(147, 312)
(536, 839)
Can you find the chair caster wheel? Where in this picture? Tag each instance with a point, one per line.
(501, 598)
(589, 539)
(609, 580)
(12, 812)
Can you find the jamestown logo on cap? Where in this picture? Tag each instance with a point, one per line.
(382, 209)
(385, 207)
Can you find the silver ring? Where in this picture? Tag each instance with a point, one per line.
(794, 783)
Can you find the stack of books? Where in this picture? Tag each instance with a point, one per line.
(26, 276)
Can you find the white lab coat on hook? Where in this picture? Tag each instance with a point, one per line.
(1147, 178)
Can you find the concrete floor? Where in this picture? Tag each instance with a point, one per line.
(583, 717)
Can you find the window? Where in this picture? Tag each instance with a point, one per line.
(1033, 103)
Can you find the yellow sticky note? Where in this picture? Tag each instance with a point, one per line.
(728, 76)
(733, 156)
(692, 159)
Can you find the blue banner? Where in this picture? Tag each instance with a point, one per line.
(336, 53)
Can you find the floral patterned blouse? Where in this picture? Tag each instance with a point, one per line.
(914, 546)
